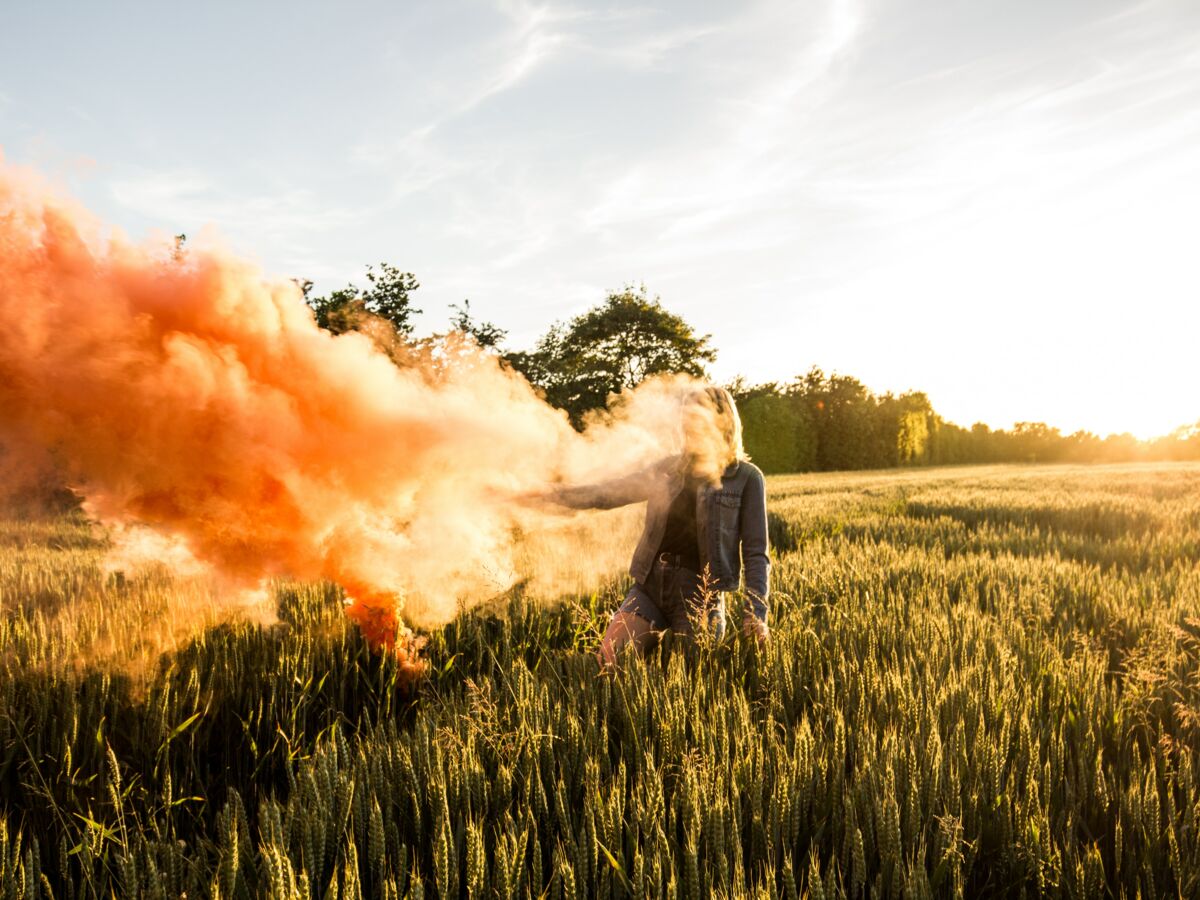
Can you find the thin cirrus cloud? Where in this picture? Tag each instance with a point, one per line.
(412, 159)
(288, 219)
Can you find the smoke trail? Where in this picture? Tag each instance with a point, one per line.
(193, 397)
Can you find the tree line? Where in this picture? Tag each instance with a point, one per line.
(816, 422)
(822, 422)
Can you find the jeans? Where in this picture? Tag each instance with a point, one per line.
(672, 598)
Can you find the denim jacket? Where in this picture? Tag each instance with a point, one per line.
(731, 521)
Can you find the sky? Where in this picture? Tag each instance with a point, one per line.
(995, 201)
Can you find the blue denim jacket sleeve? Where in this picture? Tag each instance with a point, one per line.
(756, 562)
(615, 492)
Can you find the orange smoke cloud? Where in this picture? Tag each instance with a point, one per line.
(194, 397)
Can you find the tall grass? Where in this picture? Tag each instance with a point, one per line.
(982, 682)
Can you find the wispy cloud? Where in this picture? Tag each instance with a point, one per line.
(1041, 129)
(192, 196)
(414, 159)
(536, 35)
(288, 225)
(635, 40)
(757, 129)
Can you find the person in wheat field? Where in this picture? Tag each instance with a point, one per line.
(706, 521)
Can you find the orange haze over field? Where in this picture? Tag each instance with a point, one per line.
(189, 396)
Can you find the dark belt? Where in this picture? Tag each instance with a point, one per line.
(670, 560)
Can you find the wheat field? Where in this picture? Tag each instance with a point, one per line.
(982, 682)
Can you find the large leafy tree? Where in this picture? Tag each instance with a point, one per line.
(609, 348)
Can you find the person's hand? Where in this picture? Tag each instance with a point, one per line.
(753, 626)
(532, 498)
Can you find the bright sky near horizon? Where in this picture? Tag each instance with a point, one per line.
(996, 202)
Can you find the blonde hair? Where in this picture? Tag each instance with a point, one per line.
(717, 455)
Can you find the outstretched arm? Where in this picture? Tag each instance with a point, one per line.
(755, 560)
(633, 488)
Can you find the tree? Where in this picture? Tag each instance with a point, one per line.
(387, 298)
(609, 348)
(778, 432)
(843, 410)
(1037, 442)
(485, 334)
(912, 432)
(742, 390)
(339, 311)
